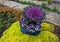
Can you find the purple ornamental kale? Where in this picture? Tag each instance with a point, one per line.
(34, 13)
(28, 22)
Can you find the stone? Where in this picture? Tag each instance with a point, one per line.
(14, 4)
(2, 1)
(53, 17)
(18, 5)
(56, 0)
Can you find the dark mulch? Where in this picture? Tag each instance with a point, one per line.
(57, 31)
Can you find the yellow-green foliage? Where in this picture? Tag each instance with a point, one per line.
(13, 34)
(47, 27)
(47, 1)
(47, 36)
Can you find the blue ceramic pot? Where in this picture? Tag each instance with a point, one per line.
(32, 24)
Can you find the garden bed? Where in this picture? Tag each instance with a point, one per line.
(7, 17)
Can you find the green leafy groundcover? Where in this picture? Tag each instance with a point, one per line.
(13, 34)
(44, 5)
(6, 19)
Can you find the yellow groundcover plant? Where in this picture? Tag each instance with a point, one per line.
(13, 34)
(47, 27)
